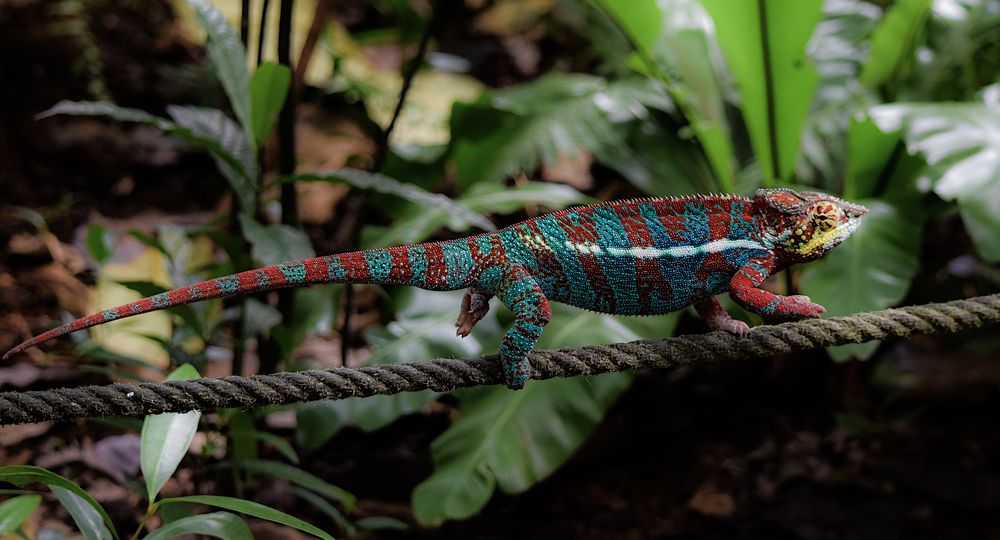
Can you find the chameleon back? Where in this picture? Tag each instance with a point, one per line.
(640, 256)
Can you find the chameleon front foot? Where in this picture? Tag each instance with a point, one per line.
(475, 306)
(515, 372)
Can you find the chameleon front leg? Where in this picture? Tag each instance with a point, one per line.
(520, 292)
(745, 289)
(715, 316)
(475, 306)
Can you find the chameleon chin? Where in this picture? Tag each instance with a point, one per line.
(631, 257)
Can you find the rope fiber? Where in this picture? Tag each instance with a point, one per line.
(444, 375)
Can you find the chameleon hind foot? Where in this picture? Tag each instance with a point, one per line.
(475, 306)
(713, 314)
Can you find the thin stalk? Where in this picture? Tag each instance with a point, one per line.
(382, 152)
(263, 30)
(772, 121)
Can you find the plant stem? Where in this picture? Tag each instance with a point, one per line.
(772, 121)
(262, 31)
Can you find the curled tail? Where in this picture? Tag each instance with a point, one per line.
(436, 265)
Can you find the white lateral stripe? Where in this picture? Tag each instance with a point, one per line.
(714, 246)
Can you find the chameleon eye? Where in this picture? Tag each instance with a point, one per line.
(824, 222)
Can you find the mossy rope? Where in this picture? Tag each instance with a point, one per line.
(447, 374)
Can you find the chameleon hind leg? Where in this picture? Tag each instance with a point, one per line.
(520, 292)
(475, 306)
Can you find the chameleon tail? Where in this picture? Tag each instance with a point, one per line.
(435, 265)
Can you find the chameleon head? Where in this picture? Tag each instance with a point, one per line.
(805, 225)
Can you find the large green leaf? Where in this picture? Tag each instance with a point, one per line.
(273, 244)
(514, 439)
(894, 40)
(461, 217)
(241, 176)
(676, 36)
(21, 475)
(871, 270)
(268, 89)
(166, 438)
(87, 518)
(764, 42)
(229, 59)
(961, 144)
(250, 508)
(217, 525)
(515, 130)
(418, 223)
(14, 511)
(212, 124)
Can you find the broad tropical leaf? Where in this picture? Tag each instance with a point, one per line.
(764, 42)
(894, 40)
(166, 438)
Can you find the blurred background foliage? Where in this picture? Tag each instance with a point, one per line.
(514, 108)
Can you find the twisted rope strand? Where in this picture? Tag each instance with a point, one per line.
(445, 375)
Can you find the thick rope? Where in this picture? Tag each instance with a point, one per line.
(445, 375)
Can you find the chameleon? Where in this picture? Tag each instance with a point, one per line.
(643, 256)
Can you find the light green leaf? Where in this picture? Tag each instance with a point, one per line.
(165, 439)
(868, 152)
(462, 217)
(268, 89)
(871, 270)
(228, 57)
(514, 439)
(21, 475)
(274, 244)
(87, 518)
(212, 124)
(250, 508)
(14, 511)
(418, 223)
(217, 525)
(676, 36)
(325, 507)
(294, 475)
(764, 42)
(894, 40)
(961, 144)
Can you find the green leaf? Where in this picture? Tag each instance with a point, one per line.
(315, 311)
(515, 130)
(250, 508)
(868, 153)
(87, 518)
(165, 439)
(894, 40)
(217, 525)
(462, 217)
(961, 144)
(268, 89)
(514, 439)
(294, 475)
(418, 223)
(274, 244)
(14, 511)
(97, 243)
(318, 421)
(228, 57)
(213, 124)
(235, 170)
(871, 270)
(325, 507)
(764, 42)
(380, 523)
(675, 35)
(21, 475)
